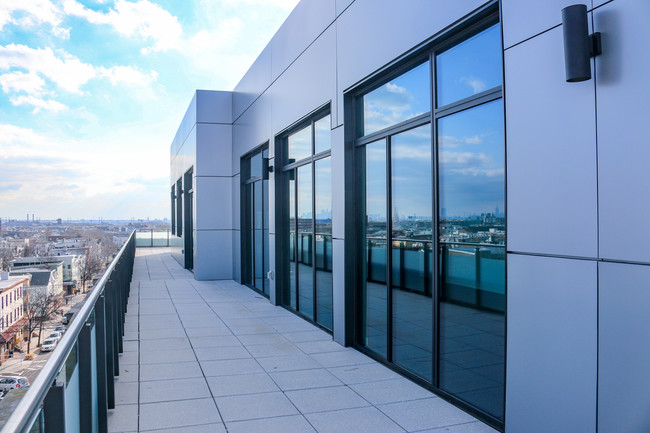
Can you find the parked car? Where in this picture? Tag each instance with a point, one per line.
(60, 329)
(49, 345)
(7, 383)
(55, 336)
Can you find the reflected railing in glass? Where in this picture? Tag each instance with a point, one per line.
(473, 274)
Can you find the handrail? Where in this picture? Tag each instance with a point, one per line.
(27, 410)
(470, 244)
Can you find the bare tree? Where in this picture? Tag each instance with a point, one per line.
(6, 256)
(40, 305)
(29, 250)
(89, 267)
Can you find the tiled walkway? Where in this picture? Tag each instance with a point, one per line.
(215, 356)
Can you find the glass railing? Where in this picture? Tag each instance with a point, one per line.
(75, 388)
(156, 238)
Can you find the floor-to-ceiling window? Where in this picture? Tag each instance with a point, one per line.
(431, 165)
(307, 178)
(188, 225)
(255, 219)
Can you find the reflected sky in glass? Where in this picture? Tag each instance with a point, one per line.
(323, 132)
(471, 161)
(304, 195)
(300, 144)
(470, 67)
(324, 193)
(376, 181)
(400, 99)
(411, 176)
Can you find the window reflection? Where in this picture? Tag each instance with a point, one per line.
(375, 293)
(305, 234)
(299, 144)
(411, 250)
(292, 240)
(323, 218)
(471, 189)
(470, 67)
(400, 99)
(322, 134)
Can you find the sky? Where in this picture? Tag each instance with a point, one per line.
(92, 92)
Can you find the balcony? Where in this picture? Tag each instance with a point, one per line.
(195, 356)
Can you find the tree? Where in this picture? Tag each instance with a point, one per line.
(89, 267)
(6, 256)
(40, 305)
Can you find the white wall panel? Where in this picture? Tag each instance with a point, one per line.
(213, 106)
(254, 82)
(623, 145)
(309, 83)
(189, 119)
(624, 348)
(186, 156)
(341, 5)
(213, 259)
(551, 152)
(236, 255)
(552, 348)
(524, 19)
(252, 129)
(214, 149)
(213, 210)
(308, 20)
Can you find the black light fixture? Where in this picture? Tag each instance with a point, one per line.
(579, 45)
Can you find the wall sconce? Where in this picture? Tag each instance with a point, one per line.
(579, 45)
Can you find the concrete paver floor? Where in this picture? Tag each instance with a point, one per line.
(215, 356)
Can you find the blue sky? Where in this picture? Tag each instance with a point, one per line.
(92, 91)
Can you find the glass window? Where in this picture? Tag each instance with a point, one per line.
(470, 67)
(375, 296)
(400, 99)
(299, 144)
(323, 245)
(256, 165)
(322, 134)
(412, 233)
(305, 233)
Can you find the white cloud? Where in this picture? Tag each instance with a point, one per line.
(30, 13)
(127, 75)
(476, 84)
(67, 71)
(22, 82)
(38, 103)
(141, 18)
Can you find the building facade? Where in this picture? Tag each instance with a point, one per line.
(422, 180)
(12, 289)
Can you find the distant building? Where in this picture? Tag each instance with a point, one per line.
(71, 267)
(47, 277)
(11, 312)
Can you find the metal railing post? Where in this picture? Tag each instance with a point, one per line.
(100, 353)
(85, 379)
(54, 409)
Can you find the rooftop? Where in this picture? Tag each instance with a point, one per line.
(210, 355)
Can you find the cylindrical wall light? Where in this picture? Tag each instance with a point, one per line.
(579, 45)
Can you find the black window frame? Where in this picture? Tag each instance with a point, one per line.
(245, 180)
(471, 25)
(286, 167)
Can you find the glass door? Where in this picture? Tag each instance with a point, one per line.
(255, 220)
